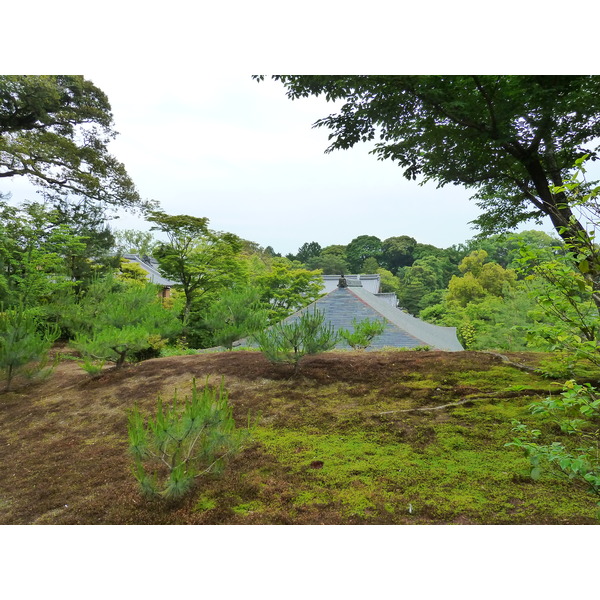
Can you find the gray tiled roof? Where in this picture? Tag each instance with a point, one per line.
(371, 283)
(342, 305)
(151, 267)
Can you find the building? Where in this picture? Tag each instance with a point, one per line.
(150, 265)
(371, 283)
(351, 300)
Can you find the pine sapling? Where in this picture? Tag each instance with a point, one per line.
(364, 333)
(183, 441)
(290, 342)
(23, 344)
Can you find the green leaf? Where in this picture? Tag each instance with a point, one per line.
(584, 266)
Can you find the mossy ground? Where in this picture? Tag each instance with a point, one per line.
(341, 443)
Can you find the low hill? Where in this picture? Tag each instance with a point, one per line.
(381, 438)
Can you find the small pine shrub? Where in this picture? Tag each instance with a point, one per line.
(183, 441)
(364, 333)
(290, 342)
(23, 345)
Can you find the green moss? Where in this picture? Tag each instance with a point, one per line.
(311, 497)
(357, 501)
(205, 503)
(501, 377)
(463, 472)
(246, 508)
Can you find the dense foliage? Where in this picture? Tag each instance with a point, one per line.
(54, 130)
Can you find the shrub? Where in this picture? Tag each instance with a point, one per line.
(184, 440)
(363, 334)
(577, 412)
(116, 324)
(21, 344)
(290, 342)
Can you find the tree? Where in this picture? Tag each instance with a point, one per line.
(332, 260)
(363, 333)
(370, 265)
(132, 241)
(504, 249)
(329, 264)
(54, 130)
(22, 342)
(201, 260)
(361, 248)
(512, 138)
(301, 336)
(565, 297)
(237, 313)
(116, 319)
(35, 254)
(479, 279)
(308, 251)
(132, 272)
(287, 288)
(389, 283)
(398, 252)
(183, 441)
(417, 282)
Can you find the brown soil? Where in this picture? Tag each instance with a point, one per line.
(63, 442)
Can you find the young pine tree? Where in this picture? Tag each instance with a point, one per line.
(290, 342)
(115, 320)
(22, 343)
(363, 334)
(184, 440)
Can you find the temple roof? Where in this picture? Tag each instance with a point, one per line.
(150, 265)
(402, 330)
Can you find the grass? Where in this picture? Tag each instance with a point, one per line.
(341, 443)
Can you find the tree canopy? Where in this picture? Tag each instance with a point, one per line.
(199, 259)
(361, 248)
(509, 137)
(54, 130)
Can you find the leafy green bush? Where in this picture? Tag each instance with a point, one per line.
(22, 344)
(577, 412)
(364, 333)
(290, 342)
(184, 440)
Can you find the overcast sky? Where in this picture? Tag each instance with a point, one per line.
(242, 154)
(204, 139)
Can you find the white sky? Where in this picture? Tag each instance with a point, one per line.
(204, 139)
(242, 154)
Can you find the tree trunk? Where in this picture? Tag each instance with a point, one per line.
(567, 226)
